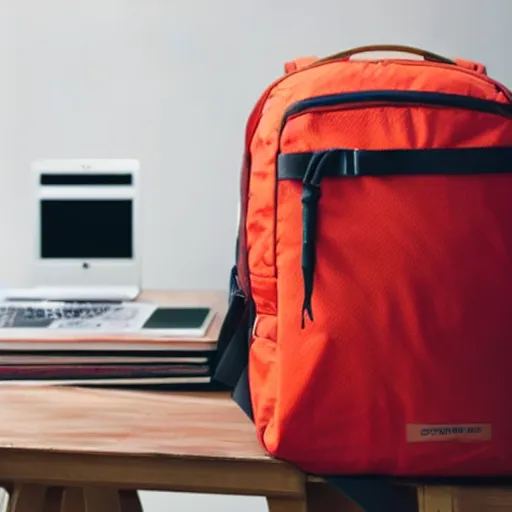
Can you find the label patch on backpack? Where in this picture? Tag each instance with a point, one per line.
(448, 433)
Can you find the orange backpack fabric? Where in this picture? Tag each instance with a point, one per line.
(372, 294)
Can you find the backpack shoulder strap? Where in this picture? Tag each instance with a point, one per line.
(473, 65)
(299, 63)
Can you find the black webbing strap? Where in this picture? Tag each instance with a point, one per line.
(377, 494)
(232, 352)
(231, 363)
(353, 163)
(242, 394)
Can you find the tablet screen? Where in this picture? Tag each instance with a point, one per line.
(177, 318)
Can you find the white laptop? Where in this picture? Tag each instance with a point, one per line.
(87, 259)
(86, 231)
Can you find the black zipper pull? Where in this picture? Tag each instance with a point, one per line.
(310, 197)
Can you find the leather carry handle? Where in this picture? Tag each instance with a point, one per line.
(389, 48)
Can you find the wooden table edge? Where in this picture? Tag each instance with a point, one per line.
(152, 472)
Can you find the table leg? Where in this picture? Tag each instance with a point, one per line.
(39, 498)
(27, 498)
(130, 501)
(73, 500)
(464, 498)
(322, 497)
(287, 505)
(98, 499)
(103, 499)
(53, 499)
(435, 499)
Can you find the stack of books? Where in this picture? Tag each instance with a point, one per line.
(132, 344)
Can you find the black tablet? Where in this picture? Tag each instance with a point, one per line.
(179, 321)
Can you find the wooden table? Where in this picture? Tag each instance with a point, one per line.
(79, 450)
(75, 449)
(70, 450)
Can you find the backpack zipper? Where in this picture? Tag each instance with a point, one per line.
(311, 191)
(397, 98)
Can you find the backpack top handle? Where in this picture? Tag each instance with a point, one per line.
(429, 56)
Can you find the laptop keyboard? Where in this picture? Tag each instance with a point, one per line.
(27, 317)
(57, 312)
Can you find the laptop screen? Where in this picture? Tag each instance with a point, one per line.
(86, 228)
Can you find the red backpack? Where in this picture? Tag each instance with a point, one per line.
(370, 327)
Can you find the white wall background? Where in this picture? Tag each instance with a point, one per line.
(171, 82)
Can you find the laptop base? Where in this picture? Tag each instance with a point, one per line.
(73, 293)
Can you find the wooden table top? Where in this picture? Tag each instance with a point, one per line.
(124, 422)
(169, 441)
